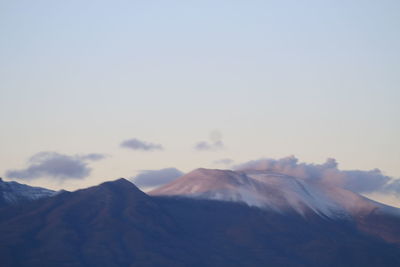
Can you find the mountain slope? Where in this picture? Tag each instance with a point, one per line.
(13, 193)
(115, 224)
(232, 234)
(273, 191)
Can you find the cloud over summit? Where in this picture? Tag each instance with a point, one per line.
(355, 180)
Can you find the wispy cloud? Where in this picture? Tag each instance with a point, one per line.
(56, 166)
(136, 144)
(155, 178)
(214, 143)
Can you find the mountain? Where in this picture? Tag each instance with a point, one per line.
(273, 191)
(96, 226)
(14, 193)
(285, 194)
(115, 224)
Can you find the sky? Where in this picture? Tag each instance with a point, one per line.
(96, 90)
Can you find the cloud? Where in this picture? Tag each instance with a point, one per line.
(223, 161)
(354, 180)
(56, 166)
(155, 178)
(214, 143)
(93, 156)
(136, 144)
(202, 145)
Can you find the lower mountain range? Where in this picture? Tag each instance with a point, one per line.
(204, 218)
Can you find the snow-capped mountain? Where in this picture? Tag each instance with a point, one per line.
(273, 191)
(115, 224)
(13, 193)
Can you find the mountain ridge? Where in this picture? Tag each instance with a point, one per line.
(116, 224)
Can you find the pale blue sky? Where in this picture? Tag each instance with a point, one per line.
(315, 79)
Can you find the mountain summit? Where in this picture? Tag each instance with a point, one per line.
(273, 191)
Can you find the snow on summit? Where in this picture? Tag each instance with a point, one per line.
(273, 191)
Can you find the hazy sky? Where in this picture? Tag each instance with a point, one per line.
(149, 85)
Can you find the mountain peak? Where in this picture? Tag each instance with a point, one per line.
(119, 181)
(271, 191)
(202, 180)
(119, 186)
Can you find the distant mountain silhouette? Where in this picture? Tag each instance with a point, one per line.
(115, 224)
